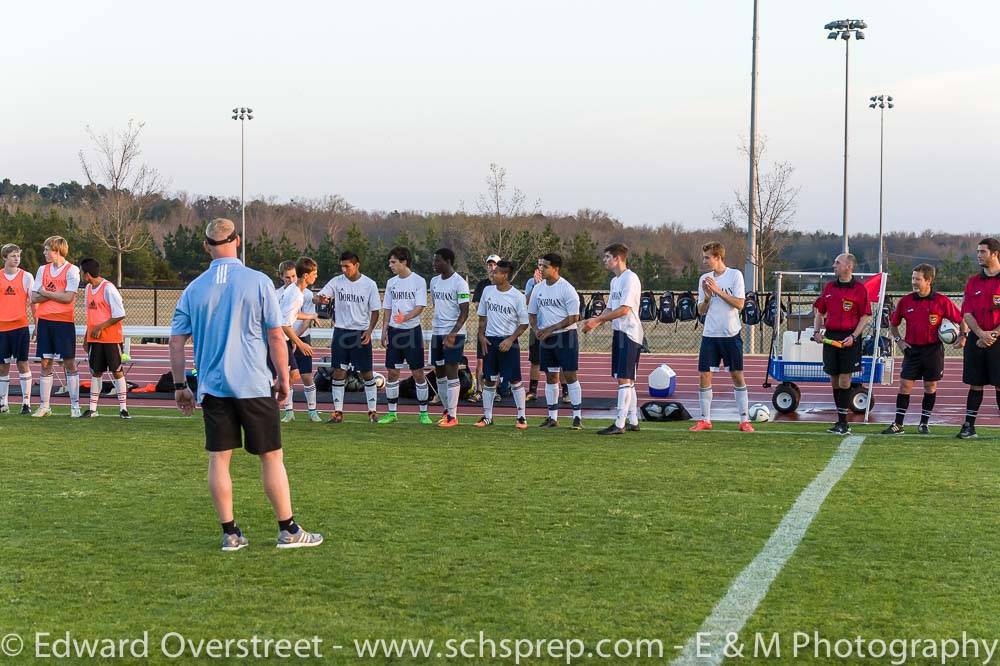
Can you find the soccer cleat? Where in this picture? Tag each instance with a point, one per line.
(336, 417)
(74, 412)
(288, 416)
(300, 539)
(42, 411)
(389, 418)
(893, 429)
(373, 416)
(549, 422)
(314, 416)
(577, 423)
(448, 422)
(839, 429)
(522, 423)
(611, 430)
(483, 422)
(231, 542)
(968, 431)
(922, 429)
(123, 414)
(529, 397)
(701, 425)
(25, 410)
(564, 399)
(746, 426)
(632, 427)
(90, 414)
(425, 419)
(4, 409)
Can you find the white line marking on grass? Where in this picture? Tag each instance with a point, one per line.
(750, 587)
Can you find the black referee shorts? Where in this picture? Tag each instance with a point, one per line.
(980, 367)
(842, 361)
(924, 362)
(257, 418)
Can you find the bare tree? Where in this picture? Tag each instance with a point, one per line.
(776, 206)
(506, 227)
(125, 188)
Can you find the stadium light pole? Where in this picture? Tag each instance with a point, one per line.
(752, 212)
(882, 102)
(844, 29)
(243, 114)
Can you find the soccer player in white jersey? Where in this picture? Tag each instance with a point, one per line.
(721, 295)
(298, 313)
(15, 302)
(355, 314)
(402, 336)
(554, 309)
(503, 317)
(623, 313)
(450, 297)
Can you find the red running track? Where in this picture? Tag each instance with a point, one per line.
(816, 404)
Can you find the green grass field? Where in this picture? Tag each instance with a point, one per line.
(109, 532)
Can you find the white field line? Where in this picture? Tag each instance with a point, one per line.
(750, 587)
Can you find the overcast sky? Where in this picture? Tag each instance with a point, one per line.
(636, 108)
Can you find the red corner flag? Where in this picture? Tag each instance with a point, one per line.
(873, 285)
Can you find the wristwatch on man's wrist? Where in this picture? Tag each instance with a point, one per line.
(180, 386)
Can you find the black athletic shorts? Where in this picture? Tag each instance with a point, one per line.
(534, 351)
(257, 418)
(104, 357)
(924, 362)
(981, 367)
(843, 361)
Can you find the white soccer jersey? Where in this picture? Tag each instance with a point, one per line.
(402, 296)
(290, 301)
(446, 296)
(353, 301)
(112, 297)
(722, 320)
(551, 303)
(627, 290)
(72, 278)
(504, 311)
(301, 326)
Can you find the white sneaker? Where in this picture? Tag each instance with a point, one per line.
(42, 411)
(300, 539)
(74, 412)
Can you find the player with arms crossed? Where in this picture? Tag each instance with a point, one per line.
(105, 337)
(554, 309)
(54, 290)
(981, 312)
(15, 302)
(231, 314)
(450, 298)
(623, 313)
(298, 313)
(923, 310)
(356, 309)
(503, 317)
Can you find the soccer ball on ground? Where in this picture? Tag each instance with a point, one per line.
(760, 412)
(948, 332)
(379, 380)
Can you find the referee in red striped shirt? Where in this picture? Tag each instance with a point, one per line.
(923, 310)
(981, 310)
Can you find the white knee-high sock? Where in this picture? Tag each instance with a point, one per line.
(517, 390)
(392, 394)
(576, 398)
(742, 402)
(44, 390)
(552, 400)
(310, 392)
(4, 388)
(442, 387)
(73, 384)
(290, 400)
(705, 398)
(371, 394)
(96, 381)
(422, 394)
(121, 388)
(633, 407)
(25, 378)
(338, 395)
(454, 388)
(489, 395)
(624, 398)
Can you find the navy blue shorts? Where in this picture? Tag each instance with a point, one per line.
(728, 351)
(624, 356)
(56, 340)
(14, 344)
(498, 364)
(405, 348)
(301, 361)
(347, 351)
(560, 352)
(441, 355)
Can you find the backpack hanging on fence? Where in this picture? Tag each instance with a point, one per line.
(687, 307)
(750, 314)
(583, 305)
(647, 307)
(596, 306)
(668, 309)
(886, 311)
(771, 310)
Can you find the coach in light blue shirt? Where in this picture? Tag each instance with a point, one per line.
(232, 316)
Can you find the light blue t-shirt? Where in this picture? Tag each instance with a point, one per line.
(227, 311)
